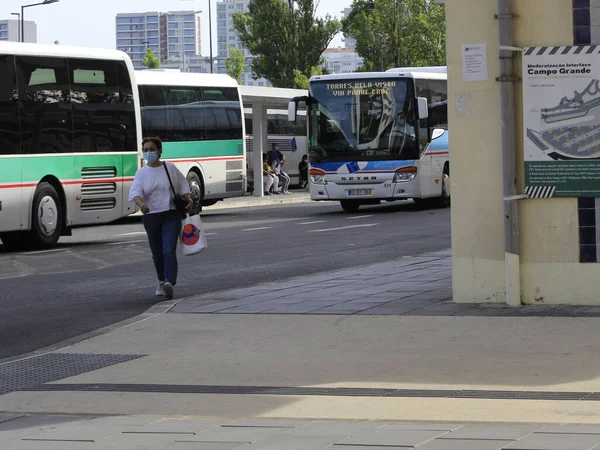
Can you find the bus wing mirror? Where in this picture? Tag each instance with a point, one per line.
(423, 108)
(292, 110)
(293, 107)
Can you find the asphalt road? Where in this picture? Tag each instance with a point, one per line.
(102, 275)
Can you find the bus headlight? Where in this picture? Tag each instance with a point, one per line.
(317, 176)
(405, 174)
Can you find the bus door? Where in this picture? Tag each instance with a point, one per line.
(11, 164)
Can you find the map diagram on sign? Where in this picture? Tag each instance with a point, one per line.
(571, 130)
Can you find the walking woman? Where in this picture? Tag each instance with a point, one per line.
(151, 191)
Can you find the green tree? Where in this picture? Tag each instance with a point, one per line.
(150, 60)
(301, 81)
(57, 42)
(284, 39)
(398, 33)
(236, 64)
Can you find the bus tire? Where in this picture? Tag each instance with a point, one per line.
(46, 217)
(196, 191)
(350, 206)
(14, 241)
(444, 199)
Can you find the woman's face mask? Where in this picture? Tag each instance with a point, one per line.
(151, 157)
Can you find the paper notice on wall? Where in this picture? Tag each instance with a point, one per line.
(474, 59)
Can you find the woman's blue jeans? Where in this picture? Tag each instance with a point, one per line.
(163, 233)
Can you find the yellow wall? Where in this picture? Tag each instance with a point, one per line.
(550, 271)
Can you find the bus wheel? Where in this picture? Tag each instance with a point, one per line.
(196, 192)
(350, 205)
(46, 217)
(14, 241)
(444, 199)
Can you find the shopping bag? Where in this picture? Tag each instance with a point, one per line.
(193, 238)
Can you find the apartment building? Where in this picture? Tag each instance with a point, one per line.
(172, 34)
(10, 30)
(226, 35)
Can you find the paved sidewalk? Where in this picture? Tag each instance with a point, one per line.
(414, 285)
(367, 358)
(22, 432)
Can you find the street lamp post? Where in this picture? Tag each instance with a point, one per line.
(209, 32)
(18, 23)
(210, 36)
(45, 2)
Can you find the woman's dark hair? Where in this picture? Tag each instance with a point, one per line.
(155, 140)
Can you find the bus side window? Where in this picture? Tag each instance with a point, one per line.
(46, 113)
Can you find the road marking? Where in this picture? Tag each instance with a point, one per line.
(256, 229)
(210, 234)
(133, 233)
(310, 223)
(44, 251)
(359, 217)
(344, 228)
(126, 242)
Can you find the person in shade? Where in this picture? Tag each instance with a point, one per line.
(151, 191)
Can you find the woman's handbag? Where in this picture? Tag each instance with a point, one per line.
(180, 202)
(193, 238)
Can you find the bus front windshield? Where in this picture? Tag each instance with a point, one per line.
(369, 119)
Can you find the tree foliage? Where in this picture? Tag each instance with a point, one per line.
(284, 39)
(236, 64)
(301, 81)
(150, 60)
(398, 33)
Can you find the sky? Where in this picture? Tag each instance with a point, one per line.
(91, 23)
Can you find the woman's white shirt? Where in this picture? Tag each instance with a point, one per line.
(152, 185)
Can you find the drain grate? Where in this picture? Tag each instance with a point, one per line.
(315, 391)
(27, 373)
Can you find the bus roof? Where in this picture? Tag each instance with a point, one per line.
(170, 78)
(379, 75)
(434, 69)
(63, 51)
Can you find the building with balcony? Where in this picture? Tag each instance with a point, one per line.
(170, 35)
(226, 35)
(342, 60)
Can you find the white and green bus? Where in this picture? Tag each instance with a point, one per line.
(199, 118)
(69, 140)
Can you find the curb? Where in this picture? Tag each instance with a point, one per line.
(260, 201)
(153, 311)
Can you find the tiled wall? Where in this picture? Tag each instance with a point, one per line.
(586, 31)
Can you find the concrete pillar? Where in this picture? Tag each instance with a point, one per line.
(259, 133)
(549, 267)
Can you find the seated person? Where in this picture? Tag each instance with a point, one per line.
(303, 171)
(269, 177)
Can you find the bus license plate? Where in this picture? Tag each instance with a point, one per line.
(355, 192)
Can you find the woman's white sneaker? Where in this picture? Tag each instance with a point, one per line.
(168, 289)
(160, 290)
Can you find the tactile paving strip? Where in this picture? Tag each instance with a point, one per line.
(31, 372)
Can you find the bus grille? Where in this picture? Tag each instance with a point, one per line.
(233, 187)
(98, 188)
(95, 204)
(98, 172)
(234, 165)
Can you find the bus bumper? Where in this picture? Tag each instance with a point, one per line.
(365, 192)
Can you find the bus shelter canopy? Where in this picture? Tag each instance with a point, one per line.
(260, 99)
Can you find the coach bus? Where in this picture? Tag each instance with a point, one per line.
(199, 118)
(69, 140)
(378, 137)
